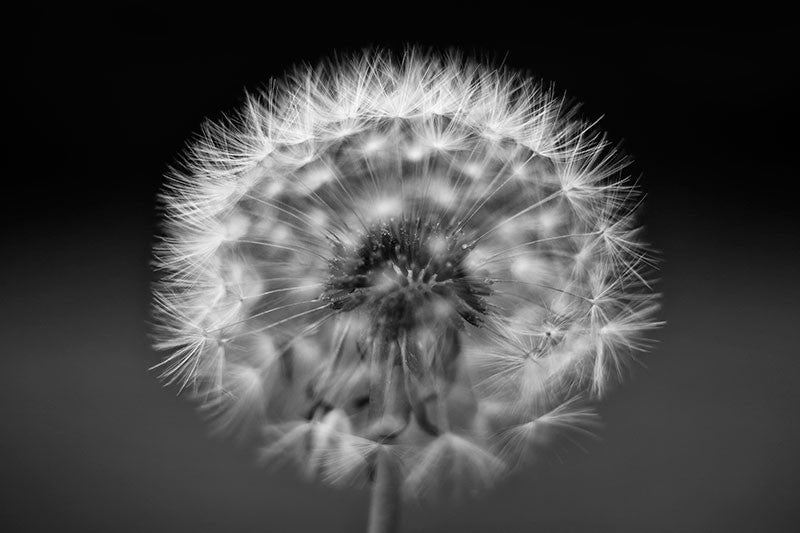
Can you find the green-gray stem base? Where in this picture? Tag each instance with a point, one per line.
(384, 511)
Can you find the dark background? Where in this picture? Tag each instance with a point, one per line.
(706, 438)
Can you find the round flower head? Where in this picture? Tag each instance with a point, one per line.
(426, 260)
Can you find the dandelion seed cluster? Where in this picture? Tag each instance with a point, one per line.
(425, 259)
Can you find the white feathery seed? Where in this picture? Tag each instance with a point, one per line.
(424, 257)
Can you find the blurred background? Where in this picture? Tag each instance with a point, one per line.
(705, 438)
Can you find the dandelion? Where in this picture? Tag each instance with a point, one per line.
(405, 273)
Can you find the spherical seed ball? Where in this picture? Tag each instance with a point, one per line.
(424, 258)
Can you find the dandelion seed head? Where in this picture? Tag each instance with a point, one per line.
(424, 257)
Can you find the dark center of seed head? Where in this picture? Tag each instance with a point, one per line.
(404, 274)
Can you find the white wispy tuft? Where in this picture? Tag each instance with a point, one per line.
(424, 256)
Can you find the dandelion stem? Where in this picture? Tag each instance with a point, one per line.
(384, 511)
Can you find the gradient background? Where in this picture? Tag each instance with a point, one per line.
(706, 438)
